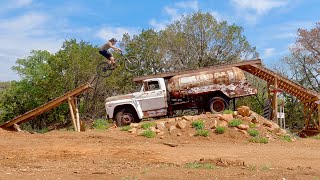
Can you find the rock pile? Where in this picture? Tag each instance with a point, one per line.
(243, 120)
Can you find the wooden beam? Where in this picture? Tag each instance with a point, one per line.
(46, 107)
(275, 101)
(72, 113)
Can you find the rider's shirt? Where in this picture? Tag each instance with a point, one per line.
(106, 46)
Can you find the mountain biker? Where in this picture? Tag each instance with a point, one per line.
(104, 50)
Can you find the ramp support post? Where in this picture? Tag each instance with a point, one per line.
(275, 102)
(72, 108)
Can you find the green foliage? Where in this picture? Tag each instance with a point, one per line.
(196, 165)
(149, 134)
(316, 137)
(235, 122)
(259, 139)
(252, 125)
(227, 111)
(101, 124)
(125, 128)
(198, 124)
(42, 131)
(253, 132)
(202, 132)
(265, 167)
(286, 138)
(220, 130)
(148, 125)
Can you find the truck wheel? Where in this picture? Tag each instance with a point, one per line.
(218, 105)
(124, 117)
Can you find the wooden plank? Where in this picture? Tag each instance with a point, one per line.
(170, 74)
(47, 106)
(72, 114)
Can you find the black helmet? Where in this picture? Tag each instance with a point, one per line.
(113, 40)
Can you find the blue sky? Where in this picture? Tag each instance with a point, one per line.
(270, 25)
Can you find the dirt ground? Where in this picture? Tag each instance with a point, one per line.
(115, 154)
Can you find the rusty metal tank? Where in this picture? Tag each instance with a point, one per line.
(224, 76)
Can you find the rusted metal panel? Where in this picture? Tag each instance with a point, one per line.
(155, 113)
(231, 81)
(232, 90)
(210, 68)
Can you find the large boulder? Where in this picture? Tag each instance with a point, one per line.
(244, 111)
(181, 124)
(226, 117)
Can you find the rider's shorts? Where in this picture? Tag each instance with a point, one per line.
(105, 53)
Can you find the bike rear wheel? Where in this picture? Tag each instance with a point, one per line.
(131, 63)
(104, 69)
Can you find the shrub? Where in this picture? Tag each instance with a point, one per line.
(100, 124)
(317, 137)
(147, 125)
(198, 124)
(149, 134)
(42, 131)
(252, 125)
(220, 130)
(126, 128)
(259, 140)
(253, 132)
(235, 123)
(197, 165)
(201, 132)
(227, 111)
(286, 138)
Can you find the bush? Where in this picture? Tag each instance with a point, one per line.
(147, 125)
(286, 138)
(227, 111)
(252, 125)
(197, 165)
(126, 128)
(220, 130)
(101, 124)
(317, 137)
(259, 140)
(198, 124)
(253, 132)
(42, 131)
(201, 132)
(235, 123)
(149, 134)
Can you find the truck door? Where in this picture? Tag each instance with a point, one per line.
(153, 99)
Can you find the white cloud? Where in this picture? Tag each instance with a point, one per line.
(107, 33)
(174, 12)
(22, 3)
(252, 10)
(268, 52)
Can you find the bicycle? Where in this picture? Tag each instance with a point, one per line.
(104, 69)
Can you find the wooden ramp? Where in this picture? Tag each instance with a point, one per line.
(310, 99)
(48, 106)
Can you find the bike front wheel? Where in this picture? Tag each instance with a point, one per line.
(104, 69)
(131, 64)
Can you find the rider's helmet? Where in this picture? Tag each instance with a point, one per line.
(113, 40)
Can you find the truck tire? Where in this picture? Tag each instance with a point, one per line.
(218, 105)
(125, 117)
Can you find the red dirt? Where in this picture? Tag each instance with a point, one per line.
(115, 154)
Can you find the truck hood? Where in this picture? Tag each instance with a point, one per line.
(120, 97)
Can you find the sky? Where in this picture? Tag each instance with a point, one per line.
(269, 25)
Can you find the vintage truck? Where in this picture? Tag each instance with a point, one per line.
(209, 90)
